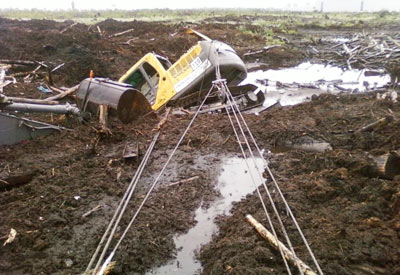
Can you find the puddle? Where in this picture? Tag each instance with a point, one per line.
(234, 183)
(291, 86)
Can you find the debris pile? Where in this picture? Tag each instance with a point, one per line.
(363, 50)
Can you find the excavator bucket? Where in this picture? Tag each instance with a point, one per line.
(123, 100)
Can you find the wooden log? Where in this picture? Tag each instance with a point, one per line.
(274, 243)
(56, 89)
(373, 125)
(103, 115)
(31, 75)
(18, 62)
(99, 30)
(69, 27)
(120, 33)
(32, 100)
(103, 118)
(163, 120)
(98, 207)
(386, 166)
(183, 181)
(64, 94)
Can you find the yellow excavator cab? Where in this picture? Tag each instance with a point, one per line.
(160, 82)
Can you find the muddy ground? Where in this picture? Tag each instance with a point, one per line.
(348, 214)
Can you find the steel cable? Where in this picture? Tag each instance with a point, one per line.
(108, 260)
(258, 191)
(124, 201)
(279, 190)
(231, 100)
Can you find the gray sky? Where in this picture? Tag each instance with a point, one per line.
(307, 5)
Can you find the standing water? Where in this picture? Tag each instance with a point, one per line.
(291, 86)
(234, 183)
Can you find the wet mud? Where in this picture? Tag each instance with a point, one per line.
(349, 215)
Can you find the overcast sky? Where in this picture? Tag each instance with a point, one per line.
(307, 5)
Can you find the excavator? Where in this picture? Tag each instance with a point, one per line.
(154, 83)
(150, 85)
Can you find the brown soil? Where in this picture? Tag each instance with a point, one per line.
(350, 217)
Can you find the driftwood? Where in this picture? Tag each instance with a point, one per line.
(63, 94)
(274, 243)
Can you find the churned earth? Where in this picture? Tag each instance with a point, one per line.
(349, 214)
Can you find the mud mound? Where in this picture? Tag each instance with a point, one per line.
(83, 48)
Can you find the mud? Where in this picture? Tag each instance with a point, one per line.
(350, 217)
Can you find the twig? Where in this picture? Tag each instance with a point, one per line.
(183, 181)
(69, 27)
(98, 207)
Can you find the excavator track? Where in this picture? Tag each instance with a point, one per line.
(244, 96)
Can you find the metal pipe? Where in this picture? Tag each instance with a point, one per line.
(37, 108)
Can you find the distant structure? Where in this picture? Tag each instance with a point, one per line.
(362, 6)
(73, 5)
(322, 6)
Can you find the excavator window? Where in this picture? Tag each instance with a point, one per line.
(149, 89)
(136, 79)
(145, 79)
(151, 73)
